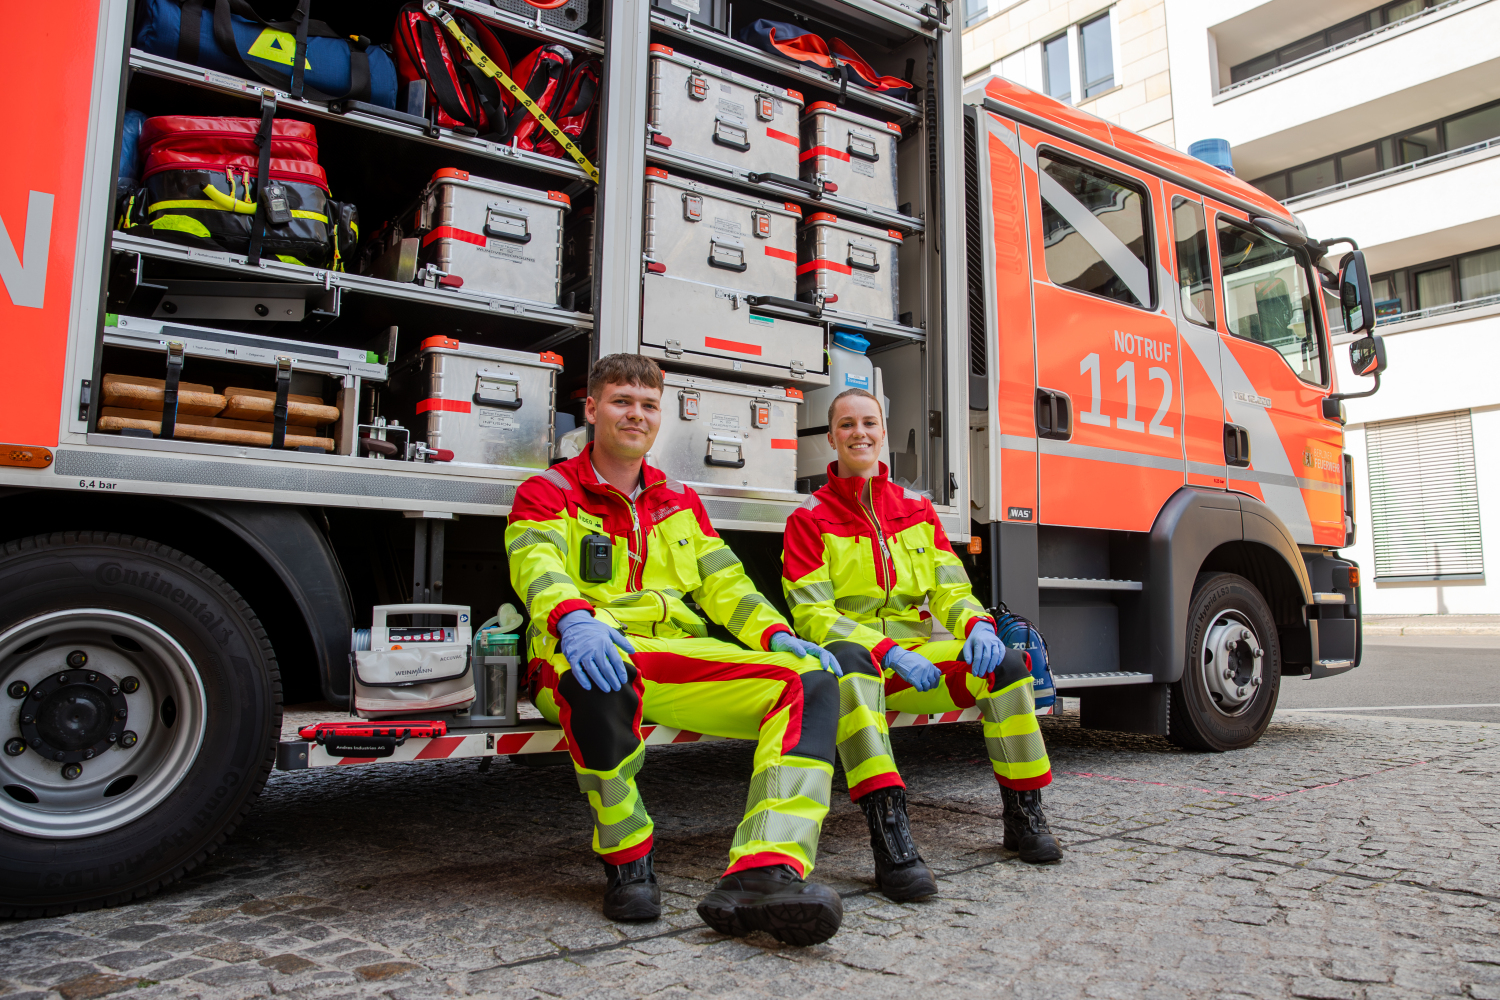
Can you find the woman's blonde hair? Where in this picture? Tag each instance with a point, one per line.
(854, 392)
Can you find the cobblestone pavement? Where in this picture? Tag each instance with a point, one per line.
(1341, 857)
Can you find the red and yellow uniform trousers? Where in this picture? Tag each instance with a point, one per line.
(665, 551)
(860, 559)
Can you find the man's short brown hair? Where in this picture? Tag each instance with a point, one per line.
(854, 392)
(623, 369)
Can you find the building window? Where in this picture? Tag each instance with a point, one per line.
(1320, 41)
(1080, 63)
(1453, 283)
(1056, 66)
(975, 11)
(1268, 298)
(1424, 498)
(1448, 136)
(1096, 56)
(1094, 231)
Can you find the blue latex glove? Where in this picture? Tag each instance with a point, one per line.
(785, 642)
(589, 646)
(914, 668)
(983, 651)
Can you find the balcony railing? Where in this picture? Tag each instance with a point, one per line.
(1428, 12)
(1451, 307)
(1391, 171)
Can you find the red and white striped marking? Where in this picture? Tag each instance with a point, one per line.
(543, 737)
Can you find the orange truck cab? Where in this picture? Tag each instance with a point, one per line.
(1159, 457)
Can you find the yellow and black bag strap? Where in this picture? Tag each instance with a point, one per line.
(487, 66)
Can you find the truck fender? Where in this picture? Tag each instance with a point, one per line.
(1189, 528)
(297, 551)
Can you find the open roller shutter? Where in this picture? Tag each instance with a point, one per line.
(1424, 498)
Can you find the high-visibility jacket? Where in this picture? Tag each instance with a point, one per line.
(860, 567)
(665, 550)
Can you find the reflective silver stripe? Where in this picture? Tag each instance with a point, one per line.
(843, 627)
(1016, 442)
(912, 494)
(773, 827)
(696, 629)
(1068, 449)
(544, 582)
(895, 628)
(1270, 478)
(556, 479)
(817, 592)
(858, 604)
(718, 559)
(1024, 748)
(612, 833)
(780, 782)
(534, 536)
(811, 503)
(862, 745)
(744, 610)
(951, 574)
(900, 602)
(612, 791)
(861, 689)
(1014, 700)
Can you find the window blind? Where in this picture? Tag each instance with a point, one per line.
(1424, 497)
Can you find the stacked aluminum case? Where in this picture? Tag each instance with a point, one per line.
(856, 153)
(488, 406)
(720, 119)
(500, 239)
(849, 265)
(724, 434)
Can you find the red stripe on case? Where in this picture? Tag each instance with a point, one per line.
(456, 405)
(837, 154)
(771, 133)
(823, 265)
(788, 443)
(451, 233)
(732, 345)
(780, 254)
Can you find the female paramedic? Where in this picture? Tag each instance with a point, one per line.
(862, 556)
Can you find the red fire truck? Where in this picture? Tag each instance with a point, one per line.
(1108, 364)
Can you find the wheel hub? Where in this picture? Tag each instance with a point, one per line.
(1233, 661)
(73, 716)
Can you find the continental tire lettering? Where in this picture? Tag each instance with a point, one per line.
(113, 574)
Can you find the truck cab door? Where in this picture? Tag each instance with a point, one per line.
(1276, 371)
(1009, 351)
(1108, 408)
(1193, 252)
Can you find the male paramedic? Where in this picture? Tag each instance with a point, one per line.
(861, 557)
(606, 551)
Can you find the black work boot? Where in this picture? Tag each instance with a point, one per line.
(632, 892)
(774, 899)
(899, 869)
(1026, 830)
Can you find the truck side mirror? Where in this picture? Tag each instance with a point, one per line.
(1367, 355)
(1356, 299)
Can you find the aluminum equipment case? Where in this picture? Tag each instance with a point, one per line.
(724, 434)
(709, 326)
(570, 15)
(499, 238)
(851, 265)
(706, 233)
(717, 117)
(488, 406)
(856, 153)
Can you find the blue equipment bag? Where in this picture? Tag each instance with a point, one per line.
(130, 152)
(1018, 633)
(230, 37)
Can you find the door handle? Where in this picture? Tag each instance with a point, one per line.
(1236, 446)
(1054, 415)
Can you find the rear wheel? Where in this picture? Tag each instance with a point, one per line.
(139, 710)
(1233, 672)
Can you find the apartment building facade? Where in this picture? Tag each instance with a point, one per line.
(1376, 121)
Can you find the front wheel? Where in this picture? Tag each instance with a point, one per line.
(139, 710)
(1233, 672)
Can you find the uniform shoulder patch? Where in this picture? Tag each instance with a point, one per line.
(556, 479)
(672, 485)
(811, 503)
(914, 495)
